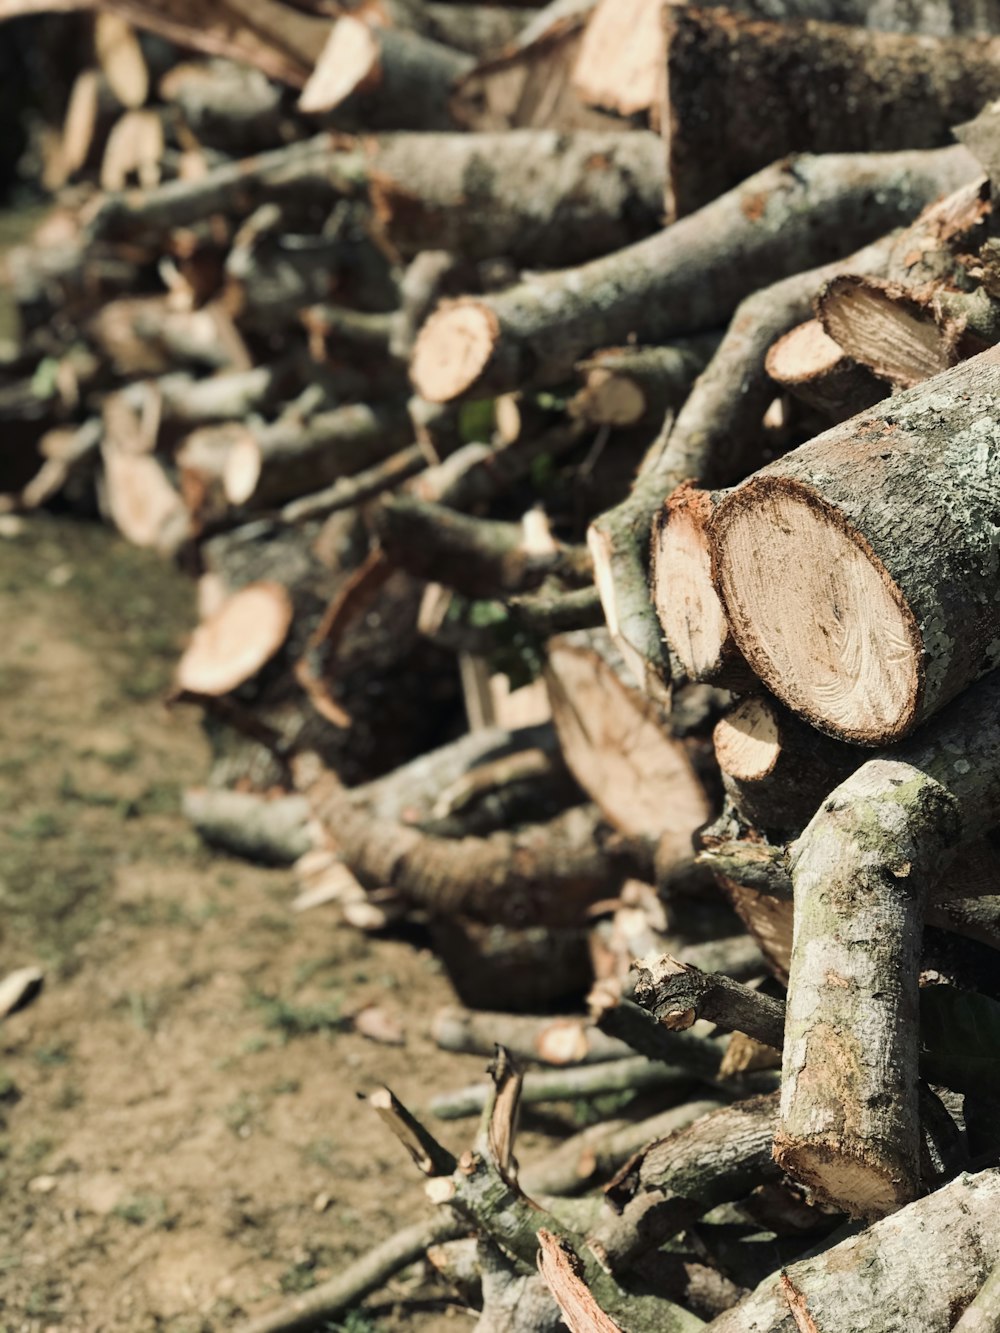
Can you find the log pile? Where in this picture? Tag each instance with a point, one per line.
(619, 599)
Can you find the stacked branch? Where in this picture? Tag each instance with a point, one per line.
(559, 570)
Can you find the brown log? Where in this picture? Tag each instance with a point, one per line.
(742, 92)
(665, 1188)
(683, 280)
(273, 464)
(384, 78)
(478, 557)
(227, 105)
(905, 617)
(775, 769)
(634, 387)
(235, 643)
(816, 370)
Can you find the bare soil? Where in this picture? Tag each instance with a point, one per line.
(181, 1141)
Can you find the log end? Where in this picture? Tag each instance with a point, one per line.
(241, 469)
(803, 354)
(747, 740)
(348, 62)
(233, 645)
(453, 350)
(816, 613)
(863, 1189)
(686, 602)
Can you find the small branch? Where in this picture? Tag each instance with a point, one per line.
(314, 1309)
(676, 995)
(636, 1074)
(429, 1156)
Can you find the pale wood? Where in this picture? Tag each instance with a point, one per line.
(237, 641)
(120, 57)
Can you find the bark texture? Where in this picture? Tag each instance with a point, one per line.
(686, 279)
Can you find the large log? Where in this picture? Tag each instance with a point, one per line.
(862, 872)
(857, 572)
(742, 93)
(686, 279)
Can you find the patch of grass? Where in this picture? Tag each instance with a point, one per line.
(298, 1277)
(36, 1151)
(241, 1115)
(43, 1300)
(143, 1209)
(299, 1020)
(320, 1152)
(355, 1321)
(54, 1054)
(68, 1096)
(9, 1091)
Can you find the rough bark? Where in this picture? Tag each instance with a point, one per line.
(862, 872)
(665, 1188)
(743, 92)
(877, 535)
(676, 995)
(686, 279)
(932, 1257)
(536, 196)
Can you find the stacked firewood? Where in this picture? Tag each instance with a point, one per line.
(556, 568)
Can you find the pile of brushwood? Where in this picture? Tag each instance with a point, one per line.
(584, 425)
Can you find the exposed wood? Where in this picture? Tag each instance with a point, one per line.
(907, 621)
(809, 364)
(620, 745)
(777, 770)
(631, 387)
(384, 77)
(688, 607)
(233, 645)
(620, 63)
(272, 831)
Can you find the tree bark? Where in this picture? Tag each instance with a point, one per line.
(932, 1257)
(686, 279)
(862, 873)
(742, 93)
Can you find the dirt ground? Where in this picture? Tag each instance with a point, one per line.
(181, 1142)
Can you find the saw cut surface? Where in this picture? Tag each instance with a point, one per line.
(817, 615)
(237, 641)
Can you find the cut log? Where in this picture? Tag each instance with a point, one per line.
(684, 595)
(816, 370)
(227, 105)
(855, 572)
(274, 832)
(385, 78)
(478, 557)
(536, 196)
(277, 463)
(620, 63)
(683, 280)
(621, 746)
(89, 114)
(741, 93)
(134, 148)
(777, 770)
(932, 1257)
(232, 646)
(862, 873)
(630, 387)
(530, 85)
